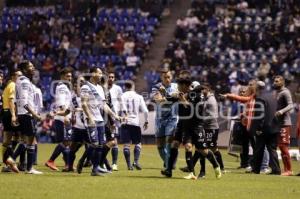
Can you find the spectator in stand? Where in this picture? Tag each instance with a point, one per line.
(129, 47)
(263, 69)
(132, 62)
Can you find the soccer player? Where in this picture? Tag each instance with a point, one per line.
(190, 125)
(38, 101)
(79, 128)
(25, 92)
(9, 120)
(211, 126)
(166, 117)
(93, 100)
(115, 92)
(62, 116)
(284, 106)
(132, 104)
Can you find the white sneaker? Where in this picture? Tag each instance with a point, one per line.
(248, 169)
(191, 176)
(265, 171)
(35, 172)
(115, 167)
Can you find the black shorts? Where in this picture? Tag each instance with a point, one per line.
(27, 127)
(63, 133)
(6, 121)
(207, 139)
(184, 133)
(80, 135)
(131, 133)
(108, 134)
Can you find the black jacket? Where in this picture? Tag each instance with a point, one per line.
(264, 119)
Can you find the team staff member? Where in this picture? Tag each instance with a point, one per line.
(9, 119)
(265, 127)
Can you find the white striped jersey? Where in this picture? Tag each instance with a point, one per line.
(115, 94)
(96, 100)
(25, 91)
(78, 117)
(133, 104)
(63, 97)
(38, 99)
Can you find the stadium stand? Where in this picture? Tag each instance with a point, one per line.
(223, 41)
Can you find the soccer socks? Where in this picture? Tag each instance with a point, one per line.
(58, 149)
(210, 156)
(196, 156)
(219, 159)
(126, 152)
(7, 152)
(167, 155)
(137, 152)
(30, 156)
(189, 160)
(172, 159)
(96, 157)
(35, 154)
(202, 164)
(104, 153)
(162, 154)
(66, 153)
(286, 159)
(107, 165)
(20, 151)
(114, 154)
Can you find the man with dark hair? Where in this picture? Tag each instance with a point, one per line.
(9, 119)
(93, 101)
(132, 104)
(284, 106)
(115, 93)
(25, 92)
(211, 126)
(62, 116)
(166, 119)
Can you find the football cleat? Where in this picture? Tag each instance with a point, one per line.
(115, 167)
(184, 169)
(34, 172)
(137, 166)
(51, 165)
(201, 175)
(191, 176)
(166, 173)
(218, 172)
(97, 173)
(287, 173)
(11, 163)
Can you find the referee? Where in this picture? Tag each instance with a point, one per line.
(9, 119)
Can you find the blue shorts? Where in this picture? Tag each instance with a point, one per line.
(131, 133)
(80, 135)
(165, 128)
(27, 127)
(97, 134)
(63, 132)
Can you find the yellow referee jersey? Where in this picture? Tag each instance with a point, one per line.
(8, 93)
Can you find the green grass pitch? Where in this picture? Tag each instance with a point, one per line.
(147, 183)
